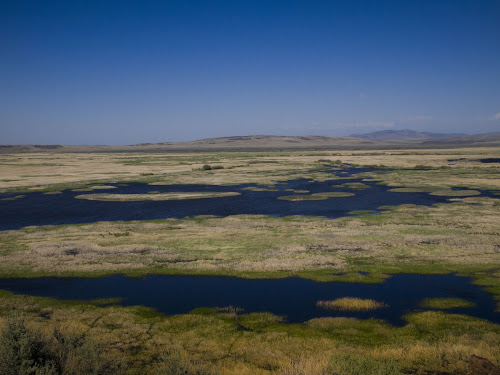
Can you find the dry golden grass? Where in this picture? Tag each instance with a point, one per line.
(350, 304)
(46, 170)
(42, 171)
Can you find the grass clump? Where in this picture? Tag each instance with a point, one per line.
(353, 186)
(13, 198)
(445, 303)
(422, 166)
(208, 167)
(350, 304)
(298, 191)
(316, 196)
(407, 190)
(254, 188)
(175, 364)
(360, 365)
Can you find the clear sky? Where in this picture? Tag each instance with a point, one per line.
(123, 72)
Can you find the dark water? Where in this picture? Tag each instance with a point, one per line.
(490, 160)
(293, 298)
(41, 209)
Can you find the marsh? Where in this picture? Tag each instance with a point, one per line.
(330, 198)
(276, 268)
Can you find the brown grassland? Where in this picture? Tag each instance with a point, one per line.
(461, 237)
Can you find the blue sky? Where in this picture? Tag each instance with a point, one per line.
(124, 72)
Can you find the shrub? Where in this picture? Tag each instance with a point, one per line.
(75, 354)
(23, 351)
(207, 167)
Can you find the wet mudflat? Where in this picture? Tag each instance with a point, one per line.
(38, 208)
(293, 298)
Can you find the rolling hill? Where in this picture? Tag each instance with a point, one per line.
(275, 143)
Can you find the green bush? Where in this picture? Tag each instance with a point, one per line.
(75, 354)
(25, 352)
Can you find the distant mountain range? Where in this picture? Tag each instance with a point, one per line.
(389, 135)
(387, 139)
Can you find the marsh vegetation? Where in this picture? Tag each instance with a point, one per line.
(351, 304)
(446, 303)
(459, 236)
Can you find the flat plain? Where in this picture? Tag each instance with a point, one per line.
(459, 237)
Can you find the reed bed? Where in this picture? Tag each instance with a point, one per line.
(351, 304)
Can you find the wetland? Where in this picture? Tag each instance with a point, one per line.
(142, 201)
(310, 262)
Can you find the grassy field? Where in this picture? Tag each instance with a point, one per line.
(460, 237)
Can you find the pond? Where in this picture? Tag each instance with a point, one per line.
(293, 298)
(38, 208)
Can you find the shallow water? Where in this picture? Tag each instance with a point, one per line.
(293, 298)
(40, 209)
(490, 160)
